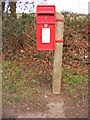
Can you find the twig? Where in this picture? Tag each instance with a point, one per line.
(29, 36)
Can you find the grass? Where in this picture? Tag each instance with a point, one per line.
(20, 85)
(34, 81)
(16, 87)
(74, 83)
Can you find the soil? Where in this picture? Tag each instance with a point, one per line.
(50, 106)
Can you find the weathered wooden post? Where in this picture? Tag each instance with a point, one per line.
(57, 65)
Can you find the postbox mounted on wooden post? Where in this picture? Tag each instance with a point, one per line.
(45, 27)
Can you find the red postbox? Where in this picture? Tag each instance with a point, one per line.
(45, 27)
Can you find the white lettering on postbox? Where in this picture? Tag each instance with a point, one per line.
(45, 35)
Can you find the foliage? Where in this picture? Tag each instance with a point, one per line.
(34, 81)
(13, 33)
(75, 41)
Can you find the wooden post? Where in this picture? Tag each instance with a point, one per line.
(57, 65)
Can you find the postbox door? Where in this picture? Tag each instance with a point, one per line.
(45, 37)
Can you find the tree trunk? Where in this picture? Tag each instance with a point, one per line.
(12, 4)
(3, 6)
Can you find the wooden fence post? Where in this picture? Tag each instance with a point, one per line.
(57, 65)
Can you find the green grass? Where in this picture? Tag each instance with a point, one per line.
(15, 85)
(34, 81)
(74, 82)
(19, 84)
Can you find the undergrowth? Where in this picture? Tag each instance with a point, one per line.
(15, 86)
(75, 84)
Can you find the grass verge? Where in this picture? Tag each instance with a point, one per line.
(16, 85)
(75, 84)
